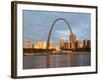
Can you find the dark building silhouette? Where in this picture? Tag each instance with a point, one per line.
(86, 44)
(72, 40)
(77, 44)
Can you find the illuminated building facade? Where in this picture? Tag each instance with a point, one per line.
(61, 44)
(72, 40)
(27, 44)
(44, 44)
(50, 45)
(67, 45)
(77, 44)
(72, 43)
(40, 45)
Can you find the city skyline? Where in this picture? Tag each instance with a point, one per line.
(72, 43)
(36, 25)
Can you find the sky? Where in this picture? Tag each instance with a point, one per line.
(37, 24)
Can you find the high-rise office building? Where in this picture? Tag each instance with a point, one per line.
(88, 44)
(72, 40)
(40, 45)
(67, 45)
(84, 43)
(50, 44)
(27, 44)
(77, 44)
(44, 44)
(61, 43)
(35, 45)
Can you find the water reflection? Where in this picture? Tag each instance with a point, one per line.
(53, 61)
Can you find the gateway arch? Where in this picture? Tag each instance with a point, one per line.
(50, 31)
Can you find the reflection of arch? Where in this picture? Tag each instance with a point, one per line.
(52, 29)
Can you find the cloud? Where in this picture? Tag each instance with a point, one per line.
(61, 34)
(38, 23)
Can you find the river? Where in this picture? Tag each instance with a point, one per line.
(53, 61)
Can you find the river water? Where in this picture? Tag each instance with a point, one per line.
(53, 61)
